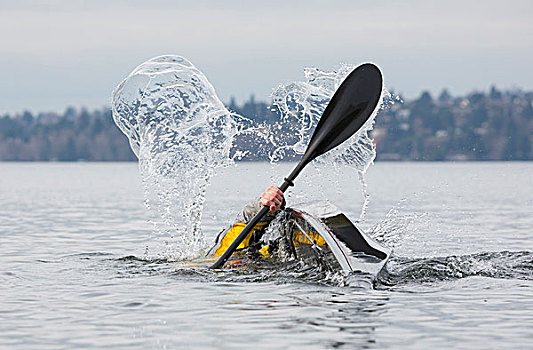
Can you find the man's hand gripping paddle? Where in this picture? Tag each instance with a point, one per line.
(351, 106)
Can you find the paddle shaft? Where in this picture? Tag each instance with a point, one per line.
(250, 226)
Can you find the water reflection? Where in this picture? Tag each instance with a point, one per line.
(262, 300)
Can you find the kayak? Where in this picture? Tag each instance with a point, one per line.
(318, 235)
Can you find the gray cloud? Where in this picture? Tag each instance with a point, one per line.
(53, 54)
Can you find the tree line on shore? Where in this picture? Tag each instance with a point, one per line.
(497, 125)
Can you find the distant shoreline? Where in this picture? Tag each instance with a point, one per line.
(493, 126)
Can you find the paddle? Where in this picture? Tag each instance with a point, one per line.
(351, 106)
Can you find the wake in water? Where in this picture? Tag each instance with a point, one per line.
(398, 273)
(181, 132)
(504, 265)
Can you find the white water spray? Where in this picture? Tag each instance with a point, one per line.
(301, 105)
(181, 132)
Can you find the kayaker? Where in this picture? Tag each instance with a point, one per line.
(316, 236)
(273, 198)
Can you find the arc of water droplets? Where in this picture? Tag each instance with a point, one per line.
(301, 105)
(181, 132)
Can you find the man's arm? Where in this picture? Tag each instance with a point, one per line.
(272, 197)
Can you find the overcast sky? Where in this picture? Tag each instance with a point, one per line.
(59, 53)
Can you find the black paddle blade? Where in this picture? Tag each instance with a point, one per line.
(351, 106)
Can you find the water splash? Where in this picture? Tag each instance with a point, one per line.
(181, 132)
(395, 228)
(301, 105)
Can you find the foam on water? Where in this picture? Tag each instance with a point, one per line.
(181, 132)
(501, 264)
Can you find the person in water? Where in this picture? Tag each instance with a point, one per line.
(273, 198)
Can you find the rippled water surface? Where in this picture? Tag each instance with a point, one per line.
(79, 268)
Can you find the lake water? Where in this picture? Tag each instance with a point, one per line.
(74, 271)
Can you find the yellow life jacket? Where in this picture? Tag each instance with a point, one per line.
(229, 236)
